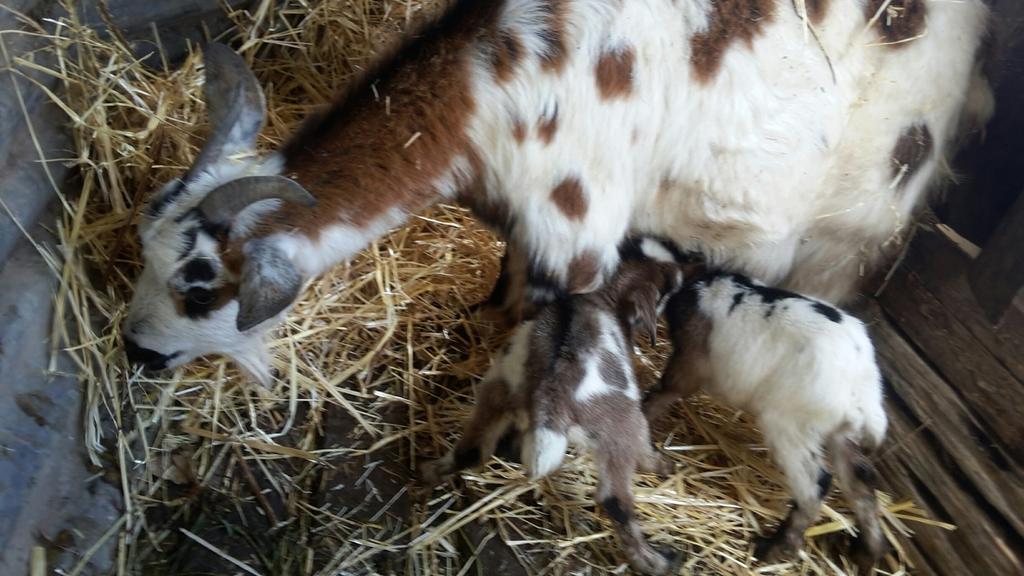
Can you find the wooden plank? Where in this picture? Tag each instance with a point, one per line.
(958, 436)
(985, 386)
(910, 471)
(942, 266)
(997, 276)
(929, 457)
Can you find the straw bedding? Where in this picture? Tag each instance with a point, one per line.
(376, 367)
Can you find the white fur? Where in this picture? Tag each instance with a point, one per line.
(804, 377)
(774, 168)
(780, 166)
(545, 453)
(340, 241)
(656, 250)
(592, 384)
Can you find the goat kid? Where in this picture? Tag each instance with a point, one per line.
(566, 376)
(807, 373)
(790, 142)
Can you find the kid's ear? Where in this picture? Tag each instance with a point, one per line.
(642, 311)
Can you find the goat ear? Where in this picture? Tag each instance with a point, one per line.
(234, 104)
(642, 311)
(269, 284)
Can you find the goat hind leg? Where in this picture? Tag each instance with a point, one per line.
(858, 477)
(615, 497)
(808, 484)
(476, 445)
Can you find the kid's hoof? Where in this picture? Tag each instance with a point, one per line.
(673, 557)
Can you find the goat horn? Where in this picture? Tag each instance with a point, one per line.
(234, 104)
(224, 202)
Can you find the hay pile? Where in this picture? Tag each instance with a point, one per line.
(376, 366)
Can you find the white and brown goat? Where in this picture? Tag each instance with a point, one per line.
(566, 376)
(806, 372)
(790, 140)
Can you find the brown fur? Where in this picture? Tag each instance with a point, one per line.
(583, 270)
(730, 21)
(507, 52)
(547, 127)
(570, 198)
(912, 150)
(687, 369)
(900, 21)
(491, 210)
(614, 73)
(508, 305)
(519, 130)
(816, 10)
(357, 161)
(556, 49)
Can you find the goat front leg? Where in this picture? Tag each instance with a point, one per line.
(650, 460)
(685, 373)
(508, 304)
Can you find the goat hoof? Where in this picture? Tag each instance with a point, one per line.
(865, 556)
(769, 549)
(430, 474)
(665, 468)
(657, 562)
(673, 557)
(764, 547)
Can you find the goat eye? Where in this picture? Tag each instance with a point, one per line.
(200, 296)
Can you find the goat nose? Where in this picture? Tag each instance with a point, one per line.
(151, 359)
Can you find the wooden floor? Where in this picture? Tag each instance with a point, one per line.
(955, 401)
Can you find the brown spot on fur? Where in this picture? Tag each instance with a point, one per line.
(900, 21)
(507, 51)
(556, 45)
(547, 127)
(568, 196)
(360, 162)
(730, 21)
(614, 73)
(519, 130)
(816, 10)
(583, 271)
(913, 148)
